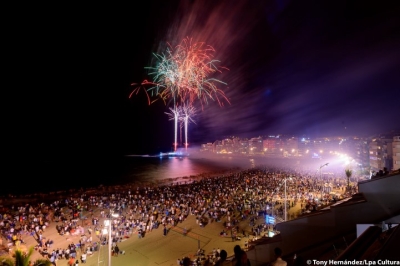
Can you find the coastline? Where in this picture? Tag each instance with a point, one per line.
(140, 249)
(7, 201)
(31, 176)
(156, 175)
(157, 248)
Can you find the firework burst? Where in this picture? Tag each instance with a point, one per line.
(174, 114)
(183, 75)
(187, 113)
(182, 115)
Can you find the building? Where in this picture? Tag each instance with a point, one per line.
(256, 146)
(396, 152)
(363, 226)
(208, 147)
(292, 147)
(218, 146)
(273, 146)
(380, 154)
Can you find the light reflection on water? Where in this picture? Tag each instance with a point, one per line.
(176, 167)
(65, 174)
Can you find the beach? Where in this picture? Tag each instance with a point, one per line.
(153, 249)
(197, 212)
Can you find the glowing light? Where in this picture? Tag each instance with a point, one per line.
(183, 75)
(174, 115)
(188, 111)
(184, 115)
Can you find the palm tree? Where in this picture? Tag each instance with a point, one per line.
(23, 259)
(348, 174)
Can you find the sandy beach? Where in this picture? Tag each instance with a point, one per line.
(153, 248)
(183, 238)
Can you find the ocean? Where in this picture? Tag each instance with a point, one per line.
(41, 176)
(30, 175)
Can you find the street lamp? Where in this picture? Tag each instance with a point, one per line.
(320, 172)
(107, 230)
(108, 225)
(286, 178)
(320, 175)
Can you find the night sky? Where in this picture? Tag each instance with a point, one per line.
(305, 68)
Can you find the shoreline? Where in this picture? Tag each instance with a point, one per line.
(134, 246)
(156, 246)
(9, 200)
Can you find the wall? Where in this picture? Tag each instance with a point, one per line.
(381, 202)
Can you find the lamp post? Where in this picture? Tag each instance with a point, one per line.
(286, 197)
(108, 224)
(320, 172)
(320, 175)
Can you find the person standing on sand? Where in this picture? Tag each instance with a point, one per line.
(83, 257)
(116, 250)
(165, 230)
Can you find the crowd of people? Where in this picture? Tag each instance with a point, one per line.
(137, 210)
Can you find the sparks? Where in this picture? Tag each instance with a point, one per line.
(183, 75)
